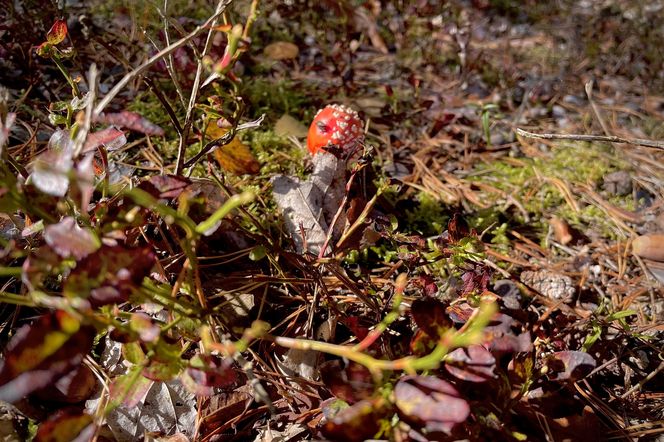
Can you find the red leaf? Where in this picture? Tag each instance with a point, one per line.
(207, 372)
(457, 228)
(45, 49)
(472, 364)
(429, 315)
(111, 138)
(357, 422)
(110, 274)
(165, 186)
(570, 365)
(57, 33)
(351, 383)
(67, 239)
(132, 121)
(42, 352)
(430, 402)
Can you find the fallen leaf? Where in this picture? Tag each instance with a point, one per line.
(649, 247)
(234, 157)
(155, 407)
(286, 126)
(281, 50)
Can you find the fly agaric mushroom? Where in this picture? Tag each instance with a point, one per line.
(335, 125)
(310, 207)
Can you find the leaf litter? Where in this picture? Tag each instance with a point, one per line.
(449, 195)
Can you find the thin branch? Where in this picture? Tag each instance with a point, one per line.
(169, 60)
(158, 56)
(225, 139)
(186, 127)
(633, 141)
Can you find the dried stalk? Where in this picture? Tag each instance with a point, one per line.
(188, 119)
(575, 137)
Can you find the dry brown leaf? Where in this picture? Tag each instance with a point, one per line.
(649, 247)
(281, 50)
(287, 126)
(235, 157)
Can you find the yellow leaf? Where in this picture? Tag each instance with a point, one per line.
(235, 157)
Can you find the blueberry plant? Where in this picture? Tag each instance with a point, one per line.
(189, 279)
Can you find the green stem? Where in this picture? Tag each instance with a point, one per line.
(11, 271)
(72, 83)
(233, 202)
(13, 298)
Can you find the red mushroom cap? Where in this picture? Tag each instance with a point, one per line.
(335, 125)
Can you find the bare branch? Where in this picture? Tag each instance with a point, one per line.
(158, 56)
(633, 141)
(186, 127)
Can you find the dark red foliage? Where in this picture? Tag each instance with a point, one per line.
(110, 274)
(42, 352)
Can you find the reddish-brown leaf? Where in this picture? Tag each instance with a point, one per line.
(57, 33)
(207, 372)
(430, 402)
(569, 365)
(351, 383)
(131, 121)
(429, 315)
(66, 426)
(472, 364)
(110, 274)
(111, 138)
(42, 352)
(357, 422)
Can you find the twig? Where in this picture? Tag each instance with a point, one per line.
(169, 60)
(225, 139)
(577, 137)
(155, 58)
(638, 386)
(188, 119)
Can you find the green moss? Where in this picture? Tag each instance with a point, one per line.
(276, 154)
(531, 185)
(277, 97)
(428, 218)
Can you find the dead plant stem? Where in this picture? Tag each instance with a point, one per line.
(606, 139)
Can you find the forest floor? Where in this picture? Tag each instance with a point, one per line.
(485, 282)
